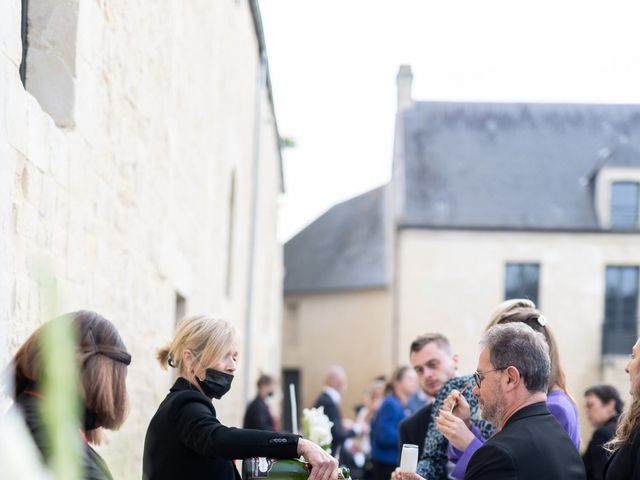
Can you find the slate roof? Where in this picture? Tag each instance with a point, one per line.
(342, 249)
(486, 166)
(511, 166)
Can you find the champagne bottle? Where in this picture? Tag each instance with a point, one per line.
(260, 467)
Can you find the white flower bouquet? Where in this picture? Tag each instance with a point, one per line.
(317, 427)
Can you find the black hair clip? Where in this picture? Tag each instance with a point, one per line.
(111, 352)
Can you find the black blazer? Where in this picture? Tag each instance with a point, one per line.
(624, 464)
(595, 456)
(258, 416)
(531, 446)
(414, 428)
(186, 440)
(332, 411)
(94, 467)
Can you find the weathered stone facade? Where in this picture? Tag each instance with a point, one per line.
(127, 172)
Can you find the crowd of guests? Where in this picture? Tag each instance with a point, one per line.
(514, 418)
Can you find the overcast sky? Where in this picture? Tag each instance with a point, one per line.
(333, 66)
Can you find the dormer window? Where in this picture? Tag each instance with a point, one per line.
(625, 200)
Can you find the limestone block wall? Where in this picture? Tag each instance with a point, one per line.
(351, 329)
(126, 202)
(451, 281)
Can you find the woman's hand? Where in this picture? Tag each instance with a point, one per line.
(325, 467)
(454, 429)
(400, 475)
(458, 405)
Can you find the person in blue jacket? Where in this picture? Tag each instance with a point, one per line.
(385, 448)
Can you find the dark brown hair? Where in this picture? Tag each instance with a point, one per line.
(265, 380)
(103, 361)
(605, 394)
(396, 377)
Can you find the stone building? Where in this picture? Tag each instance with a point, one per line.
(487, 201)
(140, 172)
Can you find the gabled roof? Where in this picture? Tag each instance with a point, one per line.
(510, 165)
(342, 249)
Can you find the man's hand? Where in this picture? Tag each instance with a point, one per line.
(324, 466)
(454, 429)
(458, 405)
(400, 475)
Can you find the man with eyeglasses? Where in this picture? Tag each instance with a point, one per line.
(511, 386)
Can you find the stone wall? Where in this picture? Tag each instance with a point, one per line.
(115, 191)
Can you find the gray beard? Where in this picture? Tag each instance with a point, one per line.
(493, 413)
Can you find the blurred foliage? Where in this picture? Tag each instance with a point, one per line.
(287, 142)
(61, 404)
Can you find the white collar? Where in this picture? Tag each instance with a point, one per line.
(333, 393)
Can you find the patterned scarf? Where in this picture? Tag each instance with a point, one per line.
(433, 462)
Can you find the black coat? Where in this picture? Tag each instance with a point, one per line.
(186, 440)
(332, 411)
(624, 464)
(258, 416)
(531, 446)
(595, 456)
(414, 429)
(30, 403)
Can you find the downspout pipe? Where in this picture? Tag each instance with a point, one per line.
(255, 195)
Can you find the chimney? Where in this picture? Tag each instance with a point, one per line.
(404, 81)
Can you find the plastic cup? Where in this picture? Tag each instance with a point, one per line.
(409, 458)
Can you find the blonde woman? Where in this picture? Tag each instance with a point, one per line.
(185, 439)
(624, 464)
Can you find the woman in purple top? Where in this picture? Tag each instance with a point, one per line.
(454, 423)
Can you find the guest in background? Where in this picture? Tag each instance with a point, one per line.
(258, 416)
(335, 384)
(418, 401)
(373, 397)
(624, 464)
(384, 427)
(603, 407)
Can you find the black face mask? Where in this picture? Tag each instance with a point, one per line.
(90, 420)
(215, 383)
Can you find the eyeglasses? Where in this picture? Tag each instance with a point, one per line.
(479, 377)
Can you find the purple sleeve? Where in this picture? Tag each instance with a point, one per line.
(565, 412)
(461, 459)
(461, 466)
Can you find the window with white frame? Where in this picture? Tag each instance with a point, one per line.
(625, 199)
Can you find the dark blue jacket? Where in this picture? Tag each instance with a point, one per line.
(385, 435)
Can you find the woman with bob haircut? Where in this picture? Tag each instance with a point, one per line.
(464, 439)
(103, 361)
(185, 439)
(624, 464)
